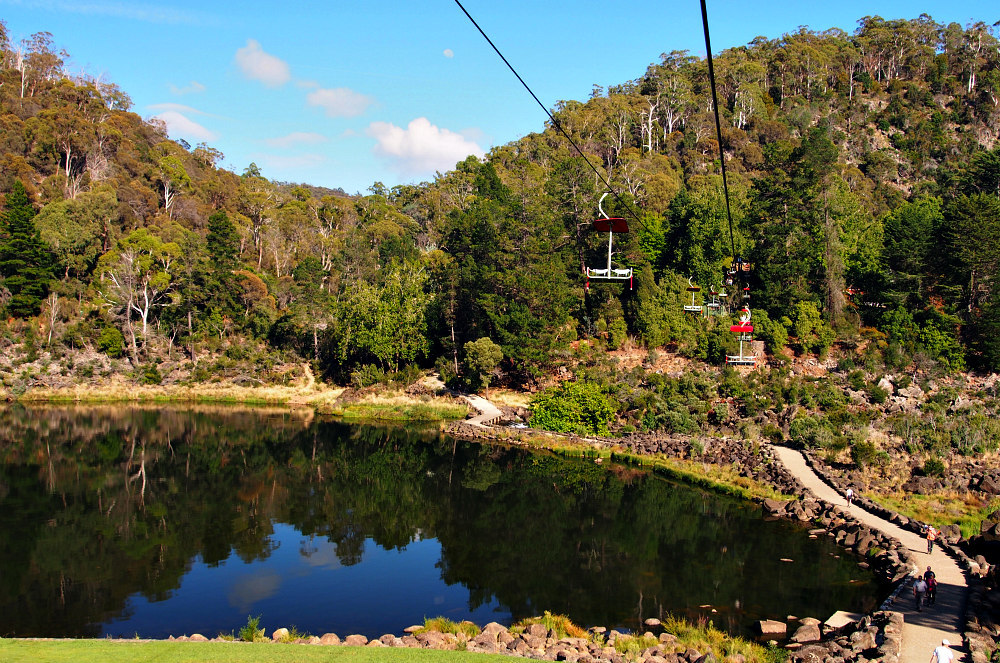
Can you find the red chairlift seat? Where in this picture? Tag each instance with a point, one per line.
(612, 224)
(741, 329)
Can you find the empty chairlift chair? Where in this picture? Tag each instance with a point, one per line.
(610, 225)
(744, 332)
(714, 307)
(693, 307)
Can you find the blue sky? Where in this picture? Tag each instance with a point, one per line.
(343, 94)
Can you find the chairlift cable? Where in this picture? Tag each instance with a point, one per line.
(718, 126)
(555, 122)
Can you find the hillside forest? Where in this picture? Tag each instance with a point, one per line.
(864, 184)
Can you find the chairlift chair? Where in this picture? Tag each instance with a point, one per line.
(610, 225)
(694, 290)
(744, 332)
(723, 299)
(714, 307)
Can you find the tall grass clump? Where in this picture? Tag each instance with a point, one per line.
(561, 624)
(704, 637)
(445, 625)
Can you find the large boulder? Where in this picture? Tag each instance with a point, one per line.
(806, 633)
(537, 630)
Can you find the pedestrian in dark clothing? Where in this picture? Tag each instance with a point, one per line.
(931, 581)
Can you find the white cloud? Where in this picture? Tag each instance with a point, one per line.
(193, 86)
(250, 588)
(339, 102)
(296, 138)
(421, 148)
(180, 126)
(261, 66)
(448, 53)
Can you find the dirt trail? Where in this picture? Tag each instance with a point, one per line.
(922, 630)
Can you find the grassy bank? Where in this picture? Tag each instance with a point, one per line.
(323, 399)
(398, 411)
(200, 393)
(963, 509)
(160, 651)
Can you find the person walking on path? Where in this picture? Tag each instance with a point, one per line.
(919, 591)
(931, 581)
(849, 495)
(931, 535)
(942, 654)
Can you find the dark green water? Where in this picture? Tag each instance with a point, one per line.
(151, 521)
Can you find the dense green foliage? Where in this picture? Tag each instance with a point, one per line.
(865, 190)
(573, 407)
(25, 261)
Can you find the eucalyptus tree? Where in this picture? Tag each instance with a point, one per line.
(135, 279)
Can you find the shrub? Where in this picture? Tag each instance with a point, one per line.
(845, 364)
(573, 407)
(857, 380)
(151, 375)
(367, 375)
(773, 433)
(445, 625)
(252, 632)
(864, 453)
(933, 467)
(111, 342)
(877, 394)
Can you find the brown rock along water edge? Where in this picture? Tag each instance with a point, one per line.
(876, 633)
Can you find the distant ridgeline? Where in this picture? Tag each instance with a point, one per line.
(865, 185)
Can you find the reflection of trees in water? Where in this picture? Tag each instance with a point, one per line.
(531, 531)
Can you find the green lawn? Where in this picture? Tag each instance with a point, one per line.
(160, 651)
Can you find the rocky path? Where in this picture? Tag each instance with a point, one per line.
(922, 630)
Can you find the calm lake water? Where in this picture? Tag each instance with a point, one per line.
(154, 522)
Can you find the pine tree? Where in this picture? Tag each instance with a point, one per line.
(26, 263)
(223, 244)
